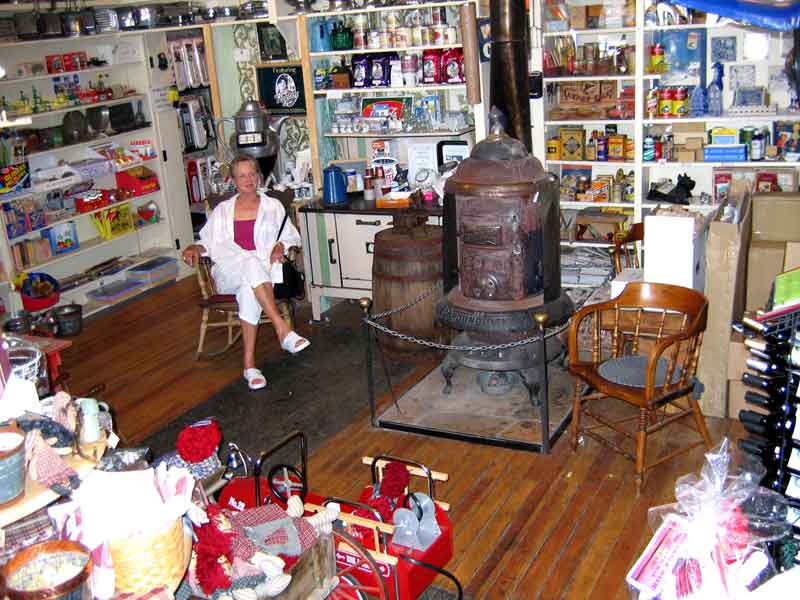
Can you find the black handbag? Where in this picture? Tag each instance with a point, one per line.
(294, 282)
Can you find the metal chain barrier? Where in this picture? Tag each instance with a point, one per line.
(373, 322)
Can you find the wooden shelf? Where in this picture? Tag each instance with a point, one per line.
(382, 50)
(86, 246)
(608, 31)
(131, 98)
(589, 121)
(37, 233)
(744, 163)
(393, 7)
(592, 163)
(89, 71)
(568, 78)
(574, 205)
(403, 134)
(724, 119)
(334, 93)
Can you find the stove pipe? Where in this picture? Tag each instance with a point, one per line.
(509, 67)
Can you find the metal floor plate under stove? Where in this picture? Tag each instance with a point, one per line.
(468, 413)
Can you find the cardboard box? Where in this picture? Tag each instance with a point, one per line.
(736, 401)
(776, 217)
(573, 142)
(683, 155)
(764, 262)
(738, 354)
(577, 17)
(694, 143)
(682, 132)
(791, 259)
(726, 262)
(674, 254)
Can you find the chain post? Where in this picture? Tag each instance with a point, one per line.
(544, 394)
(366, 304)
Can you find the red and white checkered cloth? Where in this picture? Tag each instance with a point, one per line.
(244, 548)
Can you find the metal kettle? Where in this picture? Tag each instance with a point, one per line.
(256, 132)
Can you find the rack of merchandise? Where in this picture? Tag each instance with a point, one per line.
(101, 144)
(408, 55)
(642, 72)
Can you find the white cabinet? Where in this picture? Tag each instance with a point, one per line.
(127, 72)
(340, 248)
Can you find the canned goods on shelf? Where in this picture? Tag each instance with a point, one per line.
(416, 35)
(402, 37)
(649, 149)
(451, 35)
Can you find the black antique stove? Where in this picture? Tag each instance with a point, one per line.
(502, 212)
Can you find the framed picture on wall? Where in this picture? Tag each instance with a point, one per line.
(280, 88)
(271, 43)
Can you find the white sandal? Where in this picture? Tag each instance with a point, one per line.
(289, 343)
(253, 376)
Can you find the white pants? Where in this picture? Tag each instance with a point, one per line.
(240, 278)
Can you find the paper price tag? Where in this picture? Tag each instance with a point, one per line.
(113, 440)
(794, 460)
(792, 515)
(793, 489)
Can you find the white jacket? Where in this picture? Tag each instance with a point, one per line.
(217, 234)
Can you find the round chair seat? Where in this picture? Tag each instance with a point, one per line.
(632, 370)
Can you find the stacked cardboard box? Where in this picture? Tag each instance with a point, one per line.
(775, 245)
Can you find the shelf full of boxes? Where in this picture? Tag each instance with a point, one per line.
(92, 180)
(585, 127)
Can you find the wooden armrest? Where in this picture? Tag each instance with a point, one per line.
(575, 324)
(655, 355)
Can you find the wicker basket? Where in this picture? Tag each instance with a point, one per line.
(145, 562)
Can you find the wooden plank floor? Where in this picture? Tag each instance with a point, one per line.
(567, 525)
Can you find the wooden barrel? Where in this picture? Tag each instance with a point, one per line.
(407, 263)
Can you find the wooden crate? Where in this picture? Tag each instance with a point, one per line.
(314, 575)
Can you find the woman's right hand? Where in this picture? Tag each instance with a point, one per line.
(191, 254)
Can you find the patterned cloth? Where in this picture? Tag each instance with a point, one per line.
(35, 528)
(254, 518)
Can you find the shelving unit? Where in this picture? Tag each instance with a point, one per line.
(402, 135)
(129, 66)
(339, 93)
(374, 50)
(640, 126)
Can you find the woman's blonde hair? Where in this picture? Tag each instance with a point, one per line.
(244, 158)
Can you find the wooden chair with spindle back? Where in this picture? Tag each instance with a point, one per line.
(222, 310)
(641, 347)
(626, 251)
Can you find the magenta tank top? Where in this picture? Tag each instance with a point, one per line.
(243, 234)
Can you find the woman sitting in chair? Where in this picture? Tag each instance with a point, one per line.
(241, 238)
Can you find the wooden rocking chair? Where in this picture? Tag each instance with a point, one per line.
(222, 310)
(641, 347)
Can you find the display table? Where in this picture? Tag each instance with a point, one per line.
(38, 496)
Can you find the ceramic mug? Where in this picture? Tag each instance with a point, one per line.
(95, 417)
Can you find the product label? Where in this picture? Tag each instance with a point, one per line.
(793, 488)
(794, 460)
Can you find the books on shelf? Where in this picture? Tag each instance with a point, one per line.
(30, 252)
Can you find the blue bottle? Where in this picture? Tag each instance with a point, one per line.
(698, 103)
(715, 92)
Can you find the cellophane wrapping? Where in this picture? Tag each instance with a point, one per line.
(711, 543)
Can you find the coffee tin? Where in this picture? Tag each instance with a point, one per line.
(427, 37)
(374, 40)
(402, 37)
(438, 34)
(416, 35)
(451, 35)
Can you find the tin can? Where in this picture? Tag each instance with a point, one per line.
(680, 102)
(602, 147)
(451, 35)
(438, 35)
(416, 35)
(665, 96)
(649, 149)
(436, 16)
(359, 39)
(757, 146)
(402, 37)
(426, 36)
(374, 39)
(657, 58)
(630, 149)
(553, 149)
(360, 21)
(384, 39)
(746, 136)
(413, 17)
(392, 19)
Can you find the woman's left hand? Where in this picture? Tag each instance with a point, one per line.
(277, 253)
